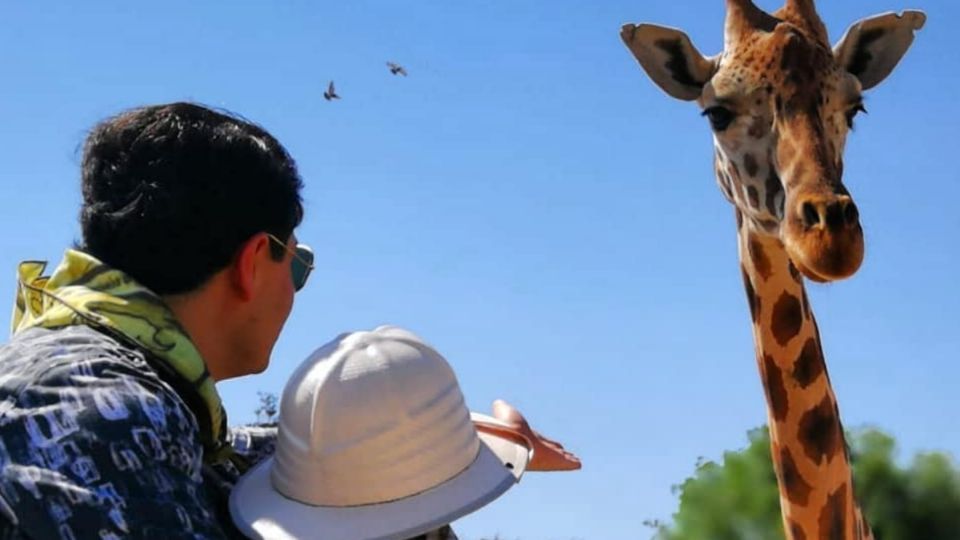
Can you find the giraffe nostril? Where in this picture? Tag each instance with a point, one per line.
(835, 216)
(810, 215)
(851, 214)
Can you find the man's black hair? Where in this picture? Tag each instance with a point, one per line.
(171, 192)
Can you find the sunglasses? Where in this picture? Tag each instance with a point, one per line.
(302, 263)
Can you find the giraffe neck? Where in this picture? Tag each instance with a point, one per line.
(806, 437)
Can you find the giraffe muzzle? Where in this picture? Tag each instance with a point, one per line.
(824, 237)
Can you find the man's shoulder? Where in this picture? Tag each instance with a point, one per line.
(75, 353)
(91, 435)
(68, 341)
(59, 384)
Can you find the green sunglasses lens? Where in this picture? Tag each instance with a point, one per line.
(301, 266)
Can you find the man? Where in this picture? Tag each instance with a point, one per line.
(110, 423)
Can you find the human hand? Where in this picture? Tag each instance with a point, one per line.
(547, 454)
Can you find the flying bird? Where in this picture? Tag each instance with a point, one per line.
(330, 93)
(396, 69)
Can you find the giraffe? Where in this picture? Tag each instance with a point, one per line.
(781, 102)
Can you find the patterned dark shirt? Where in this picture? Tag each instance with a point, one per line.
(95, 444)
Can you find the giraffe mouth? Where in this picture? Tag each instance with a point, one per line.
(823, 235)
(810, 274)
(823, 257)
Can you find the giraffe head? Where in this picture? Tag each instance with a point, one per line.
(781, 101)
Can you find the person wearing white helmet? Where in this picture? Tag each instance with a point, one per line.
(375, 442)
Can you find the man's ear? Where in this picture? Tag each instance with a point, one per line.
(670, 59)
(872, 47)
(246, 265)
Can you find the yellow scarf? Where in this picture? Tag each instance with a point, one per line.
(84, 291)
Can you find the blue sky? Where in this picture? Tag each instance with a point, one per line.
(532, 205)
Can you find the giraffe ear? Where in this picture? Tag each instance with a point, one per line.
(872, 47)
(669, 58)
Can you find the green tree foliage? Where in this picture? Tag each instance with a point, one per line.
(920, 501)
(738, 498)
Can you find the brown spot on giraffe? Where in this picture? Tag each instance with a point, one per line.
(776, 391)
(769, 224)
(809, 365)
(797, 532)
(751, 294)
(833, 516)
(843, 440)
(794, 273)
(758, 257)
(796, 488)
(758, 127)
(750, 165)
(724, 181)
(816, 335)
(753, 196)
(819, 432)
(787, 318)
(773, 188)
(735, 172)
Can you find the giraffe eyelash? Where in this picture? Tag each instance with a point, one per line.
(852, 112)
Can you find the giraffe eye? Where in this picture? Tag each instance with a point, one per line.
(852, 112)
(720, 117)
